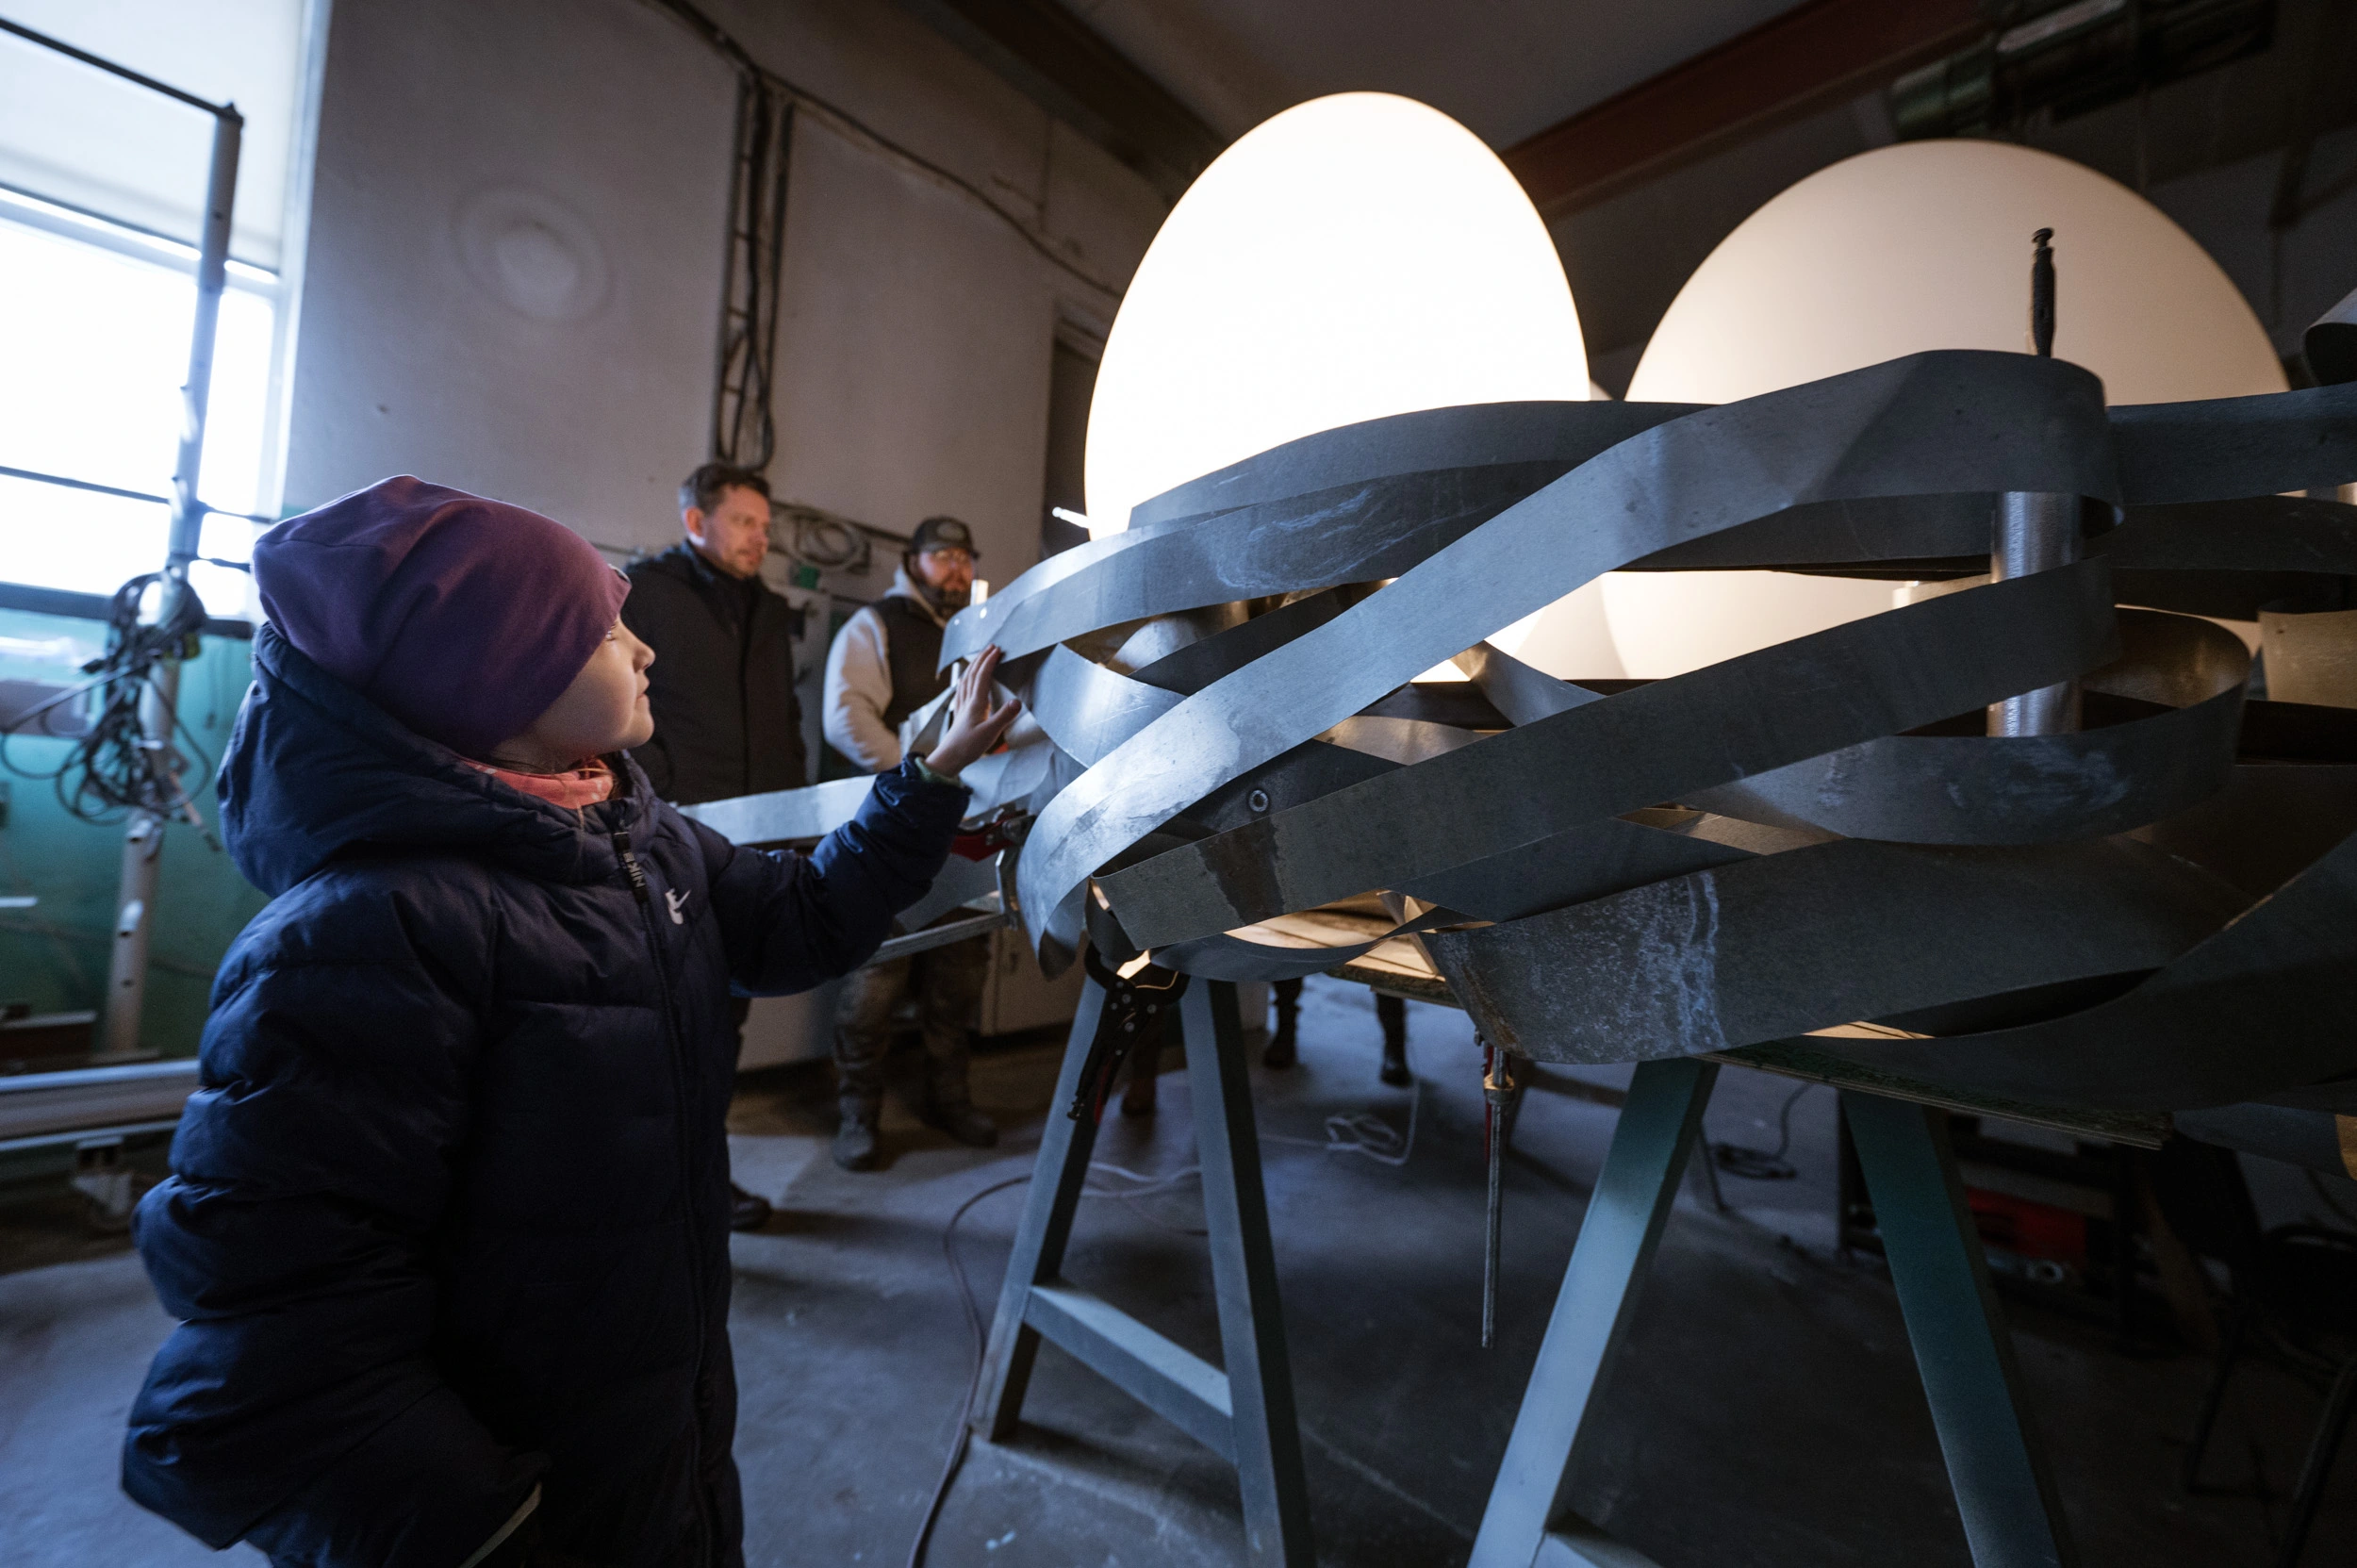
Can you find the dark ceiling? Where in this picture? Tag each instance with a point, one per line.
(1505, 68)
(1666, 123)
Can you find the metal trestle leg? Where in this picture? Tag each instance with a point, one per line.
(2004, 1491)
(1245, 1414)
(1528, 1512)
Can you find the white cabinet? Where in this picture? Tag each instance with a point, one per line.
(1018, 996)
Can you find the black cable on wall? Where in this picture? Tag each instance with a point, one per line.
(724, 42)
(744, 428)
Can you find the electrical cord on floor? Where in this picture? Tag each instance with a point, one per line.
(1364, 1133)
(974, 1382)
(973, 1323)
(1763, 1164)
(1347, 1132)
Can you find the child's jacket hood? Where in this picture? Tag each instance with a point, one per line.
(315, 771)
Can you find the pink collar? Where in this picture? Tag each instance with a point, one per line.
(574, 788)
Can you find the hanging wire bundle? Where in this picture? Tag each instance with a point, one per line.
(821, 538)
(743, 429)
(114, 768)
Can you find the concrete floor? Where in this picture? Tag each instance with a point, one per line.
(1767, 1410)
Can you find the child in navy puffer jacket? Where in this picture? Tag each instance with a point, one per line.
(447, 1230)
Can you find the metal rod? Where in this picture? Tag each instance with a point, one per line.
(2042, 294)
(1631, 1203)
(126, 966)
(142, 839)
(2037, 530)
(39, 478)
(95, 62)
(1495, 1231)
(212, 261)
(1500, 1090)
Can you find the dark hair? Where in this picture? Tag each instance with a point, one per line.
(703, 489)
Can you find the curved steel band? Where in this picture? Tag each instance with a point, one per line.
(1227, 733)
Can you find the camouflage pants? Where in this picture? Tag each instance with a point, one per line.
(947, 985)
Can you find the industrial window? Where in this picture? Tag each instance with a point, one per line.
(102, 186)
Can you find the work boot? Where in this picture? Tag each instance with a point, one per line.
(747, 1212)
(958, 1118)
(855, 1139)
(1391, 1013)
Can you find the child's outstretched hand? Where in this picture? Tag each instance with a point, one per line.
(976, 719)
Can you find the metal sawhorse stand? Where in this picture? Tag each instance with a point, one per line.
(2004, 1491)
(1245, 1414)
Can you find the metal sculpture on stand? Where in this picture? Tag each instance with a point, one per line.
(2027, 846)
(1587, 866)
(1821, 851)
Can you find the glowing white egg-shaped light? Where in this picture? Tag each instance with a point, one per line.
(1354, 256)
(1923, 245)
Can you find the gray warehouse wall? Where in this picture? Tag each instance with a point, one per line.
(514, 270)
(515, 255)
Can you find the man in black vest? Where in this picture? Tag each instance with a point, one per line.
(880, 670)
(722, 686)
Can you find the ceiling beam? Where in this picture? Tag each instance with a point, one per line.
(1055, 60)
(1815, 54)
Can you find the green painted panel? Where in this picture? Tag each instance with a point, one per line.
(54, 957)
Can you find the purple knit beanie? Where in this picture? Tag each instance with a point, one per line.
(460, 616)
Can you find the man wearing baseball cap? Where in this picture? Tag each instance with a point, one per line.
(881, 668)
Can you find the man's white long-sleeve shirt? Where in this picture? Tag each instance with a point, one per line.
(859, 685)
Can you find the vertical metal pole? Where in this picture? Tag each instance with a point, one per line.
(143, 840)
(2037, 530)
(1634, 1193)
(2004, 1490)
(212, 265)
